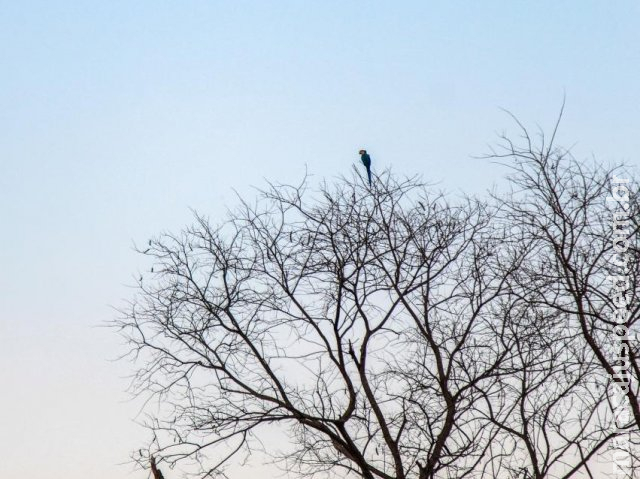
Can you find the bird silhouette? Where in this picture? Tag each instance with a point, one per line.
(366, 161)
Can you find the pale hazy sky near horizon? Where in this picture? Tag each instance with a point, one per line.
(117, 117)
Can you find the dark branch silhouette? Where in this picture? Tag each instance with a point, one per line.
(157, 474)
(391, 332)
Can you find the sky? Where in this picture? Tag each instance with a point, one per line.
(117, 118)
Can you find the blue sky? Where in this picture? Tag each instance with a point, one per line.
(117, 117)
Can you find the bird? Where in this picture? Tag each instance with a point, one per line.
(366, 161)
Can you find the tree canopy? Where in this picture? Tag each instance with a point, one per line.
(391, 331)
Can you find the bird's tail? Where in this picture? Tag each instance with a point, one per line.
(369, 175)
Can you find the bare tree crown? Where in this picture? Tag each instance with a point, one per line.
(389, 331)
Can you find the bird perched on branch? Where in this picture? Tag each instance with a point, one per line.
(366, 161)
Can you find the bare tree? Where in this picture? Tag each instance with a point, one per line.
(386, 331)
(563, 209)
